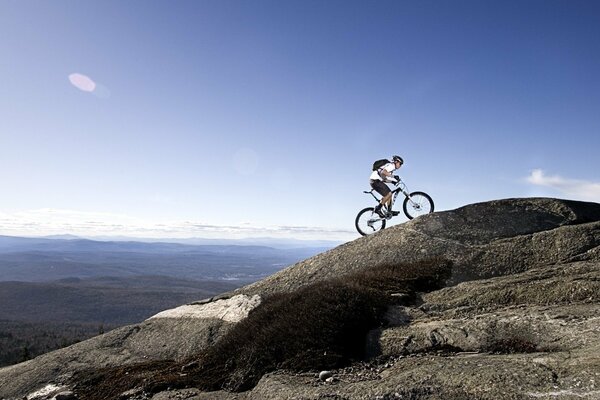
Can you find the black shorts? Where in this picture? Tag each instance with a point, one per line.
(380, 187)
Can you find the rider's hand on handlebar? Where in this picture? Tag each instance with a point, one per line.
(397, 178)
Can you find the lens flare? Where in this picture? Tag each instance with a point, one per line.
(82, 82)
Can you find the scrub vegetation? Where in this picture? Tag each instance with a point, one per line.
(319, 326)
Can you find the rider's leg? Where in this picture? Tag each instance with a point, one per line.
(388, 204)
(387, 200)
(384, 191)
(378, 210)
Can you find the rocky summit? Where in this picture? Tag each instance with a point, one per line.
(495, 300)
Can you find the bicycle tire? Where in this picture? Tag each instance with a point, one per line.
(420, 204)
(365, 222)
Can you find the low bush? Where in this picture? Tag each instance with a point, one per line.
(512, 345)
(320, 326)
(511, 338)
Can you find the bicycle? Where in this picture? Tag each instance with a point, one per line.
(415, 204)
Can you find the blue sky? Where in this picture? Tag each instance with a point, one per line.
(262, 118)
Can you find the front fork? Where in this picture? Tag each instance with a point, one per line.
(404, 192)
(394, 199)
(410, 200)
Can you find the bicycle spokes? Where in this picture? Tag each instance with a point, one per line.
(416, 204)
(368, 221)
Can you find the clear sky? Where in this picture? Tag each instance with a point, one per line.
(219, 118)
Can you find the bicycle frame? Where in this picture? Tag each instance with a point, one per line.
(400, 189)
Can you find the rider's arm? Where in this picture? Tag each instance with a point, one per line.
(387, 175)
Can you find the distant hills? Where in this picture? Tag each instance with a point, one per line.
(278, 243)
(44, 259)
(59, 290)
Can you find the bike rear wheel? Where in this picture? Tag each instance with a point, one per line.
(368, 221)
(416, 204)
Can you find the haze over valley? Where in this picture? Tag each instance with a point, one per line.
(57, 291)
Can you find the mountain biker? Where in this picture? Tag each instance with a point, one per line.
(378, 180)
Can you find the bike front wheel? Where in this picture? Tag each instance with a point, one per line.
(368, 221)
(416, 204)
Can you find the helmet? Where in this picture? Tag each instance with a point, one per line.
(398, 158)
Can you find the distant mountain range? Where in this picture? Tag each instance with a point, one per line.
(61, 289)
(49, 259)
(278, 243)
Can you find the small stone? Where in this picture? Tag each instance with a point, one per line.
(323, 375)
(192, 365)
(66, 395)
(130, 393)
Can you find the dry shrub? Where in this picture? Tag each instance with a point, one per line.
(319, 326)
(109, 383)
(422, 276)
(512, 345)
(511, 338)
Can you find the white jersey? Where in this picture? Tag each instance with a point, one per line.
(376, 175)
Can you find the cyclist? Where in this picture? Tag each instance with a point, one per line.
(378, 180)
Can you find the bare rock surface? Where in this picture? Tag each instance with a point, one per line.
(533, 335)
(519, 318)
(484, 240)
(531, 330)
(233, 309)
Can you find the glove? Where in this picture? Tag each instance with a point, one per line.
(397, 178)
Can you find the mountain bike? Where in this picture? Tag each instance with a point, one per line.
(415, 204)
